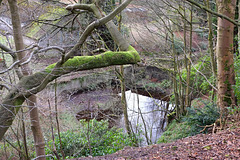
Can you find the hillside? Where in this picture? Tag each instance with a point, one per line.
(221, 145)
(174, 61)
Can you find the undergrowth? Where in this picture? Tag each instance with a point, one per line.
(191, 124)
(94, 139)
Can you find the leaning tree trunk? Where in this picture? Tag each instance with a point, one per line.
(19, 45)
(224, 54)
(36, 82)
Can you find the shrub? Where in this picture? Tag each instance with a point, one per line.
(174, 131)
(237, 78)
(191, 124)
(102, 140)
(198, 118)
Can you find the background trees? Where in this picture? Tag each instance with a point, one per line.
(176, 39)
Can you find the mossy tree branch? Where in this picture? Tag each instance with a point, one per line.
(34, 83)
(30, 84)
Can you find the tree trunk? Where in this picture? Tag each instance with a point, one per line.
(182, 87)
(224, 54)
(124, 101)
(123, 87)
(188, 80)
(210, 46)
(175, 72)
(19, 45)
(36, 128)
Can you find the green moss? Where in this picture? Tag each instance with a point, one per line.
(174, 131)
(78, 60)
(33, 30)
(19, 101)
(17, 105)
(155, 86)
(50, 67)
(135, 53)
(102, 60)
(227, 97)
(31, 81)
(226, 67)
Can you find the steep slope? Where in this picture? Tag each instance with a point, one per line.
(222, 145)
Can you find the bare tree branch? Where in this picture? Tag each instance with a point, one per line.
(10, 67)
(80, 6)
(5, 86)
(52, 47)
(214, 13)
(8, 50)
(8, 25)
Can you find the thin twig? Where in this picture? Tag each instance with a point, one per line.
(56, 116)
(53, 139)
(205, 127)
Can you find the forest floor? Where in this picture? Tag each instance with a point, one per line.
(224, 144)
